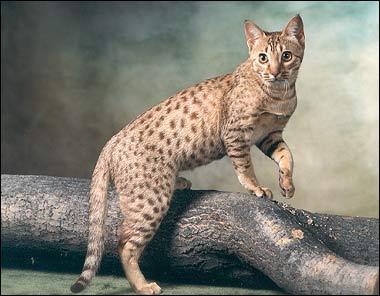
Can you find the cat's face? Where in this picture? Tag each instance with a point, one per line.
(276, 57)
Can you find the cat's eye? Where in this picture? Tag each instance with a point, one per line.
(286, 56)
(263, 58)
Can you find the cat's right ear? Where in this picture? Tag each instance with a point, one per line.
(252, 33)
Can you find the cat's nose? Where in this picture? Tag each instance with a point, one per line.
(275, 73)
(275, 70)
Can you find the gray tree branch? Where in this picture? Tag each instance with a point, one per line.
(206, 234)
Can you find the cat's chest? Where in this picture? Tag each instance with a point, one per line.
(258, 126)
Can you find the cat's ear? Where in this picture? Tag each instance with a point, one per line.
(252, 33)
(295, 29)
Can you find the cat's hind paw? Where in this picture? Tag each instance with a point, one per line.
(182, 183)
(149, 289)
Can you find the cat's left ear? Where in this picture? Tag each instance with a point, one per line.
(295, 29)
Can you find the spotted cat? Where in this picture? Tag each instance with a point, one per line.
(221, 116)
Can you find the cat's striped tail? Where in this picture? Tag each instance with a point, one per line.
(97, 216)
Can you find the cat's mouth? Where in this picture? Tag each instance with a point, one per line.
(278, 84)
(275, 80)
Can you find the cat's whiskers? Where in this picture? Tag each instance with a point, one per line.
(267, 86)
(286, 87)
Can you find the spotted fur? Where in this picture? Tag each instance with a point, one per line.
(221, 116)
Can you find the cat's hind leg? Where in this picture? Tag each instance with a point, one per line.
(137, 229)
(130, 254)
(143, 207)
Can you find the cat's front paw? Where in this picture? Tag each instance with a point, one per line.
(287, 187)
(261, 192)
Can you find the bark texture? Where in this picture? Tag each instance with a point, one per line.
(206, 235)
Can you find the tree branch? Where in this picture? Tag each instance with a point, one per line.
(205, 235)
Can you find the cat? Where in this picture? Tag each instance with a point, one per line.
(221, 116)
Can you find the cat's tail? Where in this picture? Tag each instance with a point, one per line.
(97, 216)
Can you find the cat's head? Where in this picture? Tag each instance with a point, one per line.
(276, 56)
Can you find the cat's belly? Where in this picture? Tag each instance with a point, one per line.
(201, 156)
(264, 125)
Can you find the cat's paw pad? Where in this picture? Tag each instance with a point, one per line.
(262, 192)
(149, 289)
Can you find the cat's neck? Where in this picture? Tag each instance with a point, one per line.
(245, 74)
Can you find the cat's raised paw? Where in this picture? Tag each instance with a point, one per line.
(287, 187)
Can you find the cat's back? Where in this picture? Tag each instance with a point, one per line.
(183, 129)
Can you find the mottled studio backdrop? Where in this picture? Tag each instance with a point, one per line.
(73, 74)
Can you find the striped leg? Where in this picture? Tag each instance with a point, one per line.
(130, 255)
(274, 147)
(239, 153)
